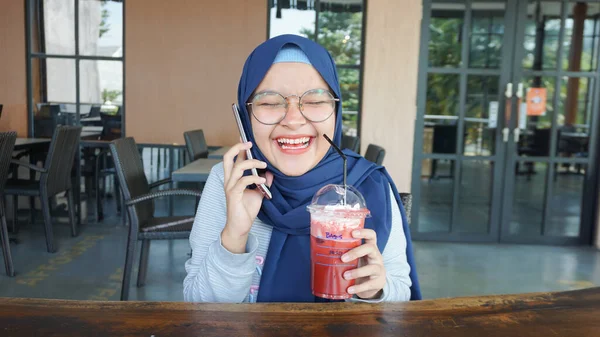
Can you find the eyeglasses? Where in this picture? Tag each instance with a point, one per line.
(270, 107)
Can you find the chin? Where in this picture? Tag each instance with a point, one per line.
(293, 171)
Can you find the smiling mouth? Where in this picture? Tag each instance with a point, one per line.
(299, 143)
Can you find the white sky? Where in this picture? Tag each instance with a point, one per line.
(291, 22)
(114, 37)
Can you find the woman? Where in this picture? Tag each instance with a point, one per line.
(248, 249)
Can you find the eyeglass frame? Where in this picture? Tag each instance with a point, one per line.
(287, 108)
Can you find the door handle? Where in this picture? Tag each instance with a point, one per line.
(517, 135)
(520, 90)
(505, 133)
(508, 93)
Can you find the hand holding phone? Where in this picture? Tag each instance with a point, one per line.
(261, 187)
(242, 203)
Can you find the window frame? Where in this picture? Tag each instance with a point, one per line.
(359, 67)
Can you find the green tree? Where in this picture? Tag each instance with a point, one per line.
(110, 95)
(104, 26)
(340, 34)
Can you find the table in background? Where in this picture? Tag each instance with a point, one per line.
(571, 314)
(91, 132)
(219, 153)
(28, 143)
(196, 171)
(91, 120)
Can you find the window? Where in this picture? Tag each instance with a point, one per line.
(338, 26)
(76, 58)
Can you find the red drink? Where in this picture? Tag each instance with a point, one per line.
(328, 269)
(331, 237)
(335, 212)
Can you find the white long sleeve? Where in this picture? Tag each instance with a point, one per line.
(216, 275)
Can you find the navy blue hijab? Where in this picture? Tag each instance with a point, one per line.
(286, 273)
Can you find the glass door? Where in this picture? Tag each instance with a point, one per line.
(459, 149)
(553, 95)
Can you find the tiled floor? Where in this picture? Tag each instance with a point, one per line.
(90, 266)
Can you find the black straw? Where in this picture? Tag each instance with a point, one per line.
(345, 163)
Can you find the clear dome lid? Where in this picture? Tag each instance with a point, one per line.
(336, 199)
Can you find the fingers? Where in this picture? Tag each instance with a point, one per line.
(239, 150)
(368, 234)
(239, 167)
(370, 270)
(246, 181)
(269, 177)
(368, 249)
(370, 287)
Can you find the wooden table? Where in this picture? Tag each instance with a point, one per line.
(218, 154)
(571, 314)
(196, 171)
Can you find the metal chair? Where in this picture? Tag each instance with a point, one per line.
(406, 199)
(47, 119)
(195, 144)
(351, 143)
(55, 177)
(375, 154)
(144, 225)
(444, 141)
(7, 144)
(111, 130)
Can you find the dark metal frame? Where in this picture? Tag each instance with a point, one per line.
(589, 189)
(359, 67)
(463, 71)
(30, 56)
(505, 155)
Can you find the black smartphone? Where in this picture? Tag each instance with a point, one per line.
(261, 187)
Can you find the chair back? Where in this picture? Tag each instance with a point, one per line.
(61, 155)
(375, 154)
(132, 178)
(541, 142)
(415, 289)
(95, 110)
(195, 144)
(406, 199)
(111, 126)
(7, 144)
(351, 143)
(444, 138)
(47, 119)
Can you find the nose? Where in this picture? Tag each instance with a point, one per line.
(294, 118)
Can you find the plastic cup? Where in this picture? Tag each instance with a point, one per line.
(331, 224)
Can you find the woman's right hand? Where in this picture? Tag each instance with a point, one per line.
(243, 204)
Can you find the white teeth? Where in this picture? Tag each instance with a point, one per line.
(303, 146)
(293, 141)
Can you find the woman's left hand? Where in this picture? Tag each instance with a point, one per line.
(370, 277)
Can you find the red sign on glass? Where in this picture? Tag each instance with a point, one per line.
(536, 102)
